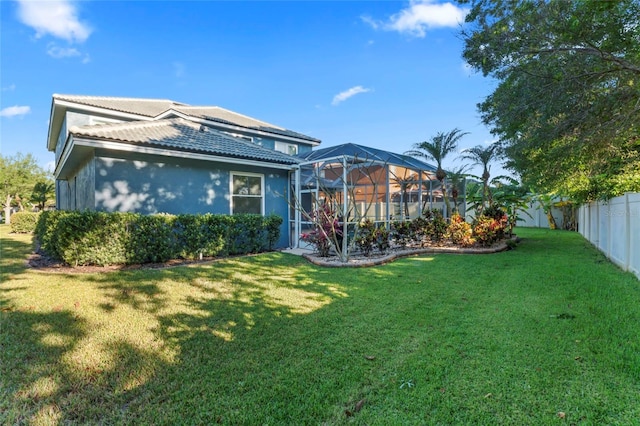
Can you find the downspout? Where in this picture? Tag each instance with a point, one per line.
(388, 200)
(345, 211)
(296, 211)
(430, 194)
(420, 195)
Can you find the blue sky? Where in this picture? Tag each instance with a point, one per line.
(386, 74)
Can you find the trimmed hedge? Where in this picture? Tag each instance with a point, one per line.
(100, 238)
(24, 222)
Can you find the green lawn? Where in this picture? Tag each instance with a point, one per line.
(515, 338)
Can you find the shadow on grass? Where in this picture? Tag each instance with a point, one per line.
(13, 255)
(270, 339)
(48, 379)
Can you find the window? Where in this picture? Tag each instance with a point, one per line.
(287, 148)
(102, 120)
(246, 193)
(238, 135)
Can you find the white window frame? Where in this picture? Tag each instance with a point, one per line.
(232, 195)
(284, 147)
(93, 120)
(243, 137)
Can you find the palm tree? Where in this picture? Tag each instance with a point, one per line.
(42, 192)
(483, 155)
(436, 149)
(457, 179)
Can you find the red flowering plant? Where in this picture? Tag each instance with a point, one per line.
(327, 232)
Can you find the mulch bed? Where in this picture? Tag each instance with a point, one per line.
(40, 262)
(359, 260)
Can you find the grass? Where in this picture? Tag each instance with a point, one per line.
(546, 334)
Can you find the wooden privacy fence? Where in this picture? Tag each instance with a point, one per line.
(614, 228)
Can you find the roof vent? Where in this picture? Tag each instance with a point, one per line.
(203, 128)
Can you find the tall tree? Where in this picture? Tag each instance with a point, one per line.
(482, 156)
(566, 105)
(436, 149)
(457, 179)
(18, 174)
(43, 191)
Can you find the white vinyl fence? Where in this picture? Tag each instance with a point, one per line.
(614, 228)
(537, 218)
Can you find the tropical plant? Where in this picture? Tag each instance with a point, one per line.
(328, 231)
(402, 232)
(460, 232)
(42, 192)
(546, 203)
(419, 229)
(366, 236)
(437, 225)
(482, 156)
(488, 230)
(382, 239)
(406, 183)
(436, 149)
(514, 199)
(457, 180)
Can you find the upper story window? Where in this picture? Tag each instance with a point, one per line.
(287, 148)
(238, 135)
(247, 195)
(102, 120)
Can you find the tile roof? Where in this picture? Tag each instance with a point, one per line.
(225, 116)
(183, 135)
(139, 106)
(154, 107)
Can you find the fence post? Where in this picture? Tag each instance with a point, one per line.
(627, 228)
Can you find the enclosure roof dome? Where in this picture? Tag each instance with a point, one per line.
(357, 152)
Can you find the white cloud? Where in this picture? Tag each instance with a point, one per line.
(372, 22)
(343, 96)
(15, 111)
(9, 88)
(58, 18)
(420, 16)
(62, 52)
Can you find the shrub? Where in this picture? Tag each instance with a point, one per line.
(419, 230)
(327, 232)
(437, 225)
(272, 224)
(24, 222)
(152, 239)
(200, 235)
(91, 238)
(382, 239)
(460, 232)
(488, 230)
(366, 236)
(245, 234)
(402, 232)
(45, 232)
(99, 238)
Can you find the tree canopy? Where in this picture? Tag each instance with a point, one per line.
(18, 176)
(566, 108)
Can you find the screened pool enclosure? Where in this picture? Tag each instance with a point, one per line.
(359, 182)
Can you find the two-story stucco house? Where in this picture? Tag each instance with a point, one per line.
(154, 155)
